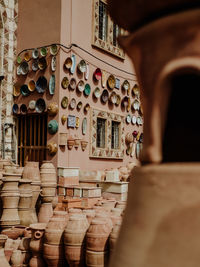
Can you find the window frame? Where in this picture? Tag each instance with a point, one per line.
(105, 45)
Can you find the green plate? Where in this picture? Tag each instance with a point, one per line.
(87, 89)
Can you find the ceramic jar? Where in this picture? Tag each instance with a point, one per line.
(45, 212)
(54, 255)
(31, 171)
(35, 185)
(114, 235)
(84, 144)
(94, 258)
(3, 260)
(74, 256)
(108, 204)
(90, 214)
(16, 258)
(52, 127)
(97, 236)
(36, 244)
(103, 216)
(48, 173)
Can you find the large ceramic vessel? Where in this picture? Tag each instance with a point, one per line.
(3, 260)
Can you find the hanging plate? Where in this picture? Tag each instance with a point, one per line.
(77, 122)
(16, 89)
(72, 69)
(128, 118)
(53, 63)
(53, 49)
(35, 66)
(68, 63)
(87, 89)
(35, 53)
(41, 85)
(134, 120)
(52, 85)
(82, 66)
(103, 78)
(24, 68)
(72, 103)
(84, 126)
(87, 72)
(65, 82)
(64, 102)
(81, 86)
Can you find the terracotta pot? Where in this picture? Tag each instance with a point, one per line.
(3, 260)
(9, 168)
(10, 199)
(108, 204)
(12, 233)
(19, 170)
(35, 194)
(90, 214)
(77, 142)
(75, 230)
(3, 239)
(45, 213)
(25, 243)
(9, 218)
(25, 216)
(63, 119)
(52, 109)
(94, 258)
(84, 144)
(26, 256)
(8, 254)
(70, 142)
(63, 139)
(74, 255)
(115, 219)
(97, 236)
(117, 211)
(31, 171)
(48, 173)
(54, 255)
(129, 138)
(103, 216)
(10, 184)
(121, 205)
(114, 235)
(48, 189)
(16, 258)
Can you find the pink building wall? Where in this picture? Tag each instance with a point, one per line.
(70, 21)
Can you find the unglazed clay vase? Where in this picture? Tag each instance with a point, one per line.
(74, 256)
(36, 188)
(104, 216)
(16, 258)
(114, 235)
(108, 204)
(31, 171)
(97, 236)
(94, 258)
(48, 173)
(90, 214)
(3, 260)
(45, 213)
(54, 255)
(36, 244)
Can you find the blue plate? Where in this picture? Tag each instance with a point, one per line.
(52, 85)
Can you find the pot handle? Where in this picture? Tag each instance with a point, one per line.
(38, 234)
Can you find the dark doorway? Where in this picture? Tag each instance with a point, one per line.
(181, 141)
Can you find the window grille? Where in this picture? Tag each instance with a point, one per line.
(103, 21)
(115, 144)
(101, 132)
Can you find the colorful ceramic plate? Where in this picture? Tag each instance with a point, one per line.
(77, 122)
(15, 109)
(32, 104)
(31, 85)
(86, 107)
(68, 63)
(126, 85)
(113, 98)
(81, 86)
(23, 109)
(87, 89)
(136, 105)
(134, 120)
(125, 101)
(19, 59)
(97, 92)
(35, 66)
(136, 90)
(40, 105)
(43, 51)
(65, 82)
(53, 49)
(42, 63)
(128, 118)
(52, 85)
(53, 63)
(82, 66)
(35, 53)
(72, 103)
(73, 66)
(24, 90)
(117, 83)
(72, 83)
(27, 56)
(139, 121)
(97, 74)
(24, 68)
(19, 70)
(84, 126)
(104, 96)
(118, 100)
(79, 105)
(87, 72)
(16, 89)
(111, 81)
(41, 85)
(64, 102)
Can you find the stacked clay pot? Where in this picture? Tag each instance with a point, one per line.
(36, 244)
(31, 171)
(108, 204)
(97, 243)
(16, 258)
(90, 214)
(48, 184)
(53, 250)
(114, 235)
(3, 260)
(24, 247)
(25, 202)
(10, 197)
(74, 239)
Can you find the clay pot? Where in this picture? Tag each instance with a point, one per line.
(94, 258)
(19, 170)
(31, 171)
(70, 142)
(114, 235)
(45, 213)
(3, 260)
(121, 205)
(63, 139)
(9, 168)
(35, 194)
(108, 204)
(77, 142)
(3, 239)
(48, 173)
(8, 254)
(26, 255)
(9, 218)
(52, 148)
(117, 211)
(74, 255)
(16, 258)
(52, 109)
(25, 243)
(115, 219)
(75, 230)
(90, 214)
(28, 232)
(12, 233)
(84, 144)
(103, 216)
(130, 166)
(48, 189)
(10, 199)
(54, 255)
(97, 236)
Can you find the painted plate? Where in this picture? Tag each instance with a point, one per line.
(134, 120)
(86, 107)
(40, 105)
(31, 85)
(84, 126)
(87, 89)
(82, 66)
(42, 63)
(24, 90)
(35, 53)
(79, 105)
(53, 63)
(97, 92)
(72, 83)
(104, 96)
(24, 68)
(19, 70)
(53, 49)
(97, 74)
(27, 56)
(16, 89)
(35, 66)
(68, 63)
(128, 118)
(52, 85)
(72, 103)
(65, 82)
(136, 90)
(126, 85)
(71, 121)
(103, 78)
(118, 100)
(72, 69)
(15, 109)
(41, 85)
(43, 51)
(111, 81)
(136, 105)
(64, 102)
(23, 109)
(87, 72)
(113, 98)
(31, 104)
(81, 86)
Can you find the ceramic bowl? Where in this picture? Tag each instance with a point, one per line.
(35, 53)
(64, 102)
(24, 68)
(31, 86)
(41, 85)
(43, 51)
(65, 82)
(24, 90)
(105, 96)
(53, 49)
(35, 66)
(136, 90)
(23, 109)
(68, 63)
(32, 104)
(136, 105)
(40, 105)
(111, 81)
(72, 104)
(16, 89)
(97, 74)
(87, 89)
(126, 85)
(97, 92)
(128, 118)
(72, 83)
(27, 56)
(19, 70)
(125, 101)
(81, 86)
(42, 63)
(133, 120)
(82, 66)
(79, 105)
(15, 109)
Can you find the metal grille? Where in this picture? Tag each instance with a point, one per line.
(101, 130)
(32, 138)
(115, 144)
(103, 21)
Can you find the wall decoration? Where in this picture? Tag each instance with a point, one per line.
(72, 104)
(35, 53)
(97, 74)
(43, 51)
(106, 152)
(64, 102)
(63, 139)
(24, 90)
(70, 142)
(105, 96)
(24, 68)
(42, 63)
(128, 118)
(40, 105)
(136, 90)
(52, 109)
(84, 144)
(41, 85)
(97, 92)
(35, 66)
(118, 100)
(16, 89)
(53, 63)
(113, 98)
(27, 56)
(15, 109)
(53, 49)
(87, 72)
(82, 66)
(52, 85)
(52, 126)
(117, 83)
(79, 105)
(77, 122)
(73, 66)
(65, 82)
(81, 86)
(87, 107)
(52, 148)
(136, 105)
(111, 81)
(126, 85)
(134, 120)
(23, 109)
(72, 83)
(31, 85)
(103, 78)
(32, 104)
(71, 121)
(63, 119)
(68, 63)
(87, 89)
(84, 126)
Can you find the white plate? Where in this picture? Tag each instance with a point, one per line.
(128, 118)
(134, 120)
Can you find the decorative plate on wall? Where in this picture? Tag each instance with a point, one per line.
(53, 49)
(24, 68)
(41, 85)
(87, 89)
(81, 86)
(117, 83)
(23, 109)
(97, 92)
(40, 105)
(79, 105)
(126, 85)
(31, 104)
(53, 63)
(15, 108)
(72, 103)
(104, 96)
(65, 82)
(97, 74)
(84, 126)
(24, 90)
(73, 66)
(128, 118)
(103, 78)
(71, 121)
(35, 66)
(35, 53)
(42, 63)
(27, 56)
(68, 63)
(43, 51)
(111, 81)
(31, 85)
(64, 102)
(52, 85)
(87, 72)
(72, 83)
(82, 66)
(77, 122)
(86, 107)
(16, 89)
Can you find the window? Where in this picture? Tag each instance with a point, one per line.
(115, 135)
(101, 132)
(105, 32)
(103, 21)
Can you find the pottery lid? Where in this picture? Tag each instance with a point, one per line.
(38, 226)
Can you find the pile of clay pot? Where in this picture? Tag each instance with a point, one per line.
(71, 238)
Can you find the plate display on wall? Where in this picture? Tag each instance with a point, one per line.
(43, 51)
(24, 90)
(19, 59)
(79, 105)
(97, 92)
(19, 70)
(72, 104)
(136, 105)
(126, 85)
(16, 89)
(64, 102)
(113, 98)
(139, 121)
(27, 56)
(73, 67)
(15, 109)
(86, 107)
(87, 72)
(68, 63)
(23, 109)
(72, 83)
(35, 53)
(41, 85)
(31, 85)
(128, 118)
(65, 82)
(81, 86)
(118, 100)
(97, 74)
(53, 49)
(35, 66)
(52, 85)
(82, 66)
(40, 105)
(134, 120)
(53, 63)
(136, 90)
(104, 96)
(77, 122)
(117, 83)
(31, 104)
(111, 81)
(84, 126)
(52, 127)
(71, 121)
(42, 63)
(24, 68)
(87, 89)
